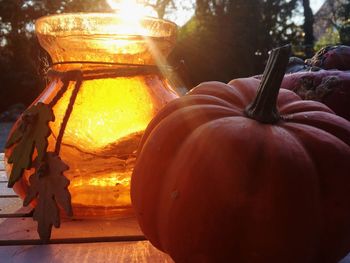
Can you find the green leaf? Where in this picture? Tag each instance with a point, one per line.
(49, 186)
(31, 132)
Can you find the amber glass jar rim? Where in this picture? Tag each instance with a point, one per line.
(41, 25)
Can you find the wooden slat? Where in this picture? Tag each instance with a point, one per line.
(140, 252)
(72, 240)
(7, 205)
(4, 190)
(10, 205)
(26, 228)
(2, 162)
(88, 228)
(3, 177)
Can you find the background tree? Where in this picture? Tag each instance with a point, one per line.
(333, 18)
(344, 17)
(339, 12)
(308, 29)
(227, 39)
(19, 80)
(344, 11)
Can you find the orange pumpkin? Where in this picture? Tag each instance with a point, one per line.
(223, 177)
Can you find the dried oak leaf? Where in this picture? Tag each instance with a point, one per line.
(49, 186)
(31, 132)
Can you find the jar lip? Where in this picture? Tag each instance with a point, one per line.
(105, 37)
(63, 25)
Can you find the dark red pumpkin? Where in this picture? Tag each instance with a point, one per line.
(223, 177)
(331, 57)
(331, 87)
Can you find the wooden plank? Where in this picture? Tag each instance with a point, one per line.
(95, 228)
(124, 252)
(9, 206)
(140, 252)
(26, 228)
(2, 162)
(3, 177)
(4, 190)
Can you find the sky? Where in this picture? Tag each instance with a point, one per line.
(316, 4)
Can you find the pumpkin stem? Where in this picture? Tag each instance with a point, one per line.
(263, 108)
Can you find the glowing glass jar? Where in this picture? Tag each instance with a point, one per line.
(121, 90)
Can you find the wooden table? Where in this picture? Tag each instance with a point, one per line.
(75, 241)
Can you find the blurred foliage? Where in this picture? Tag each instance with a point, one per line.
(342, 13)
(342, 22)
(344, 33)
(230, 39)
(331, 37)
(337, 24)
(225, 39)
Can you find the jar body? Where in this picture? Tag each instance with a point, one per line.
(110, 111)
(101, 138)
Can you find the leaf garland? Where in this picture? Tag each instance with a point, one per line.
(50, 187)
(31, 132)
(48, 184)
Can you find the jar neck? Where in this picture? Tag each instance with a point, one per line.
(96, 65)
(105, 70)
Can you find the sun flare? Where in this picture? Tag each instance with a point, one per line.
(129, 10)
(131, 13)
